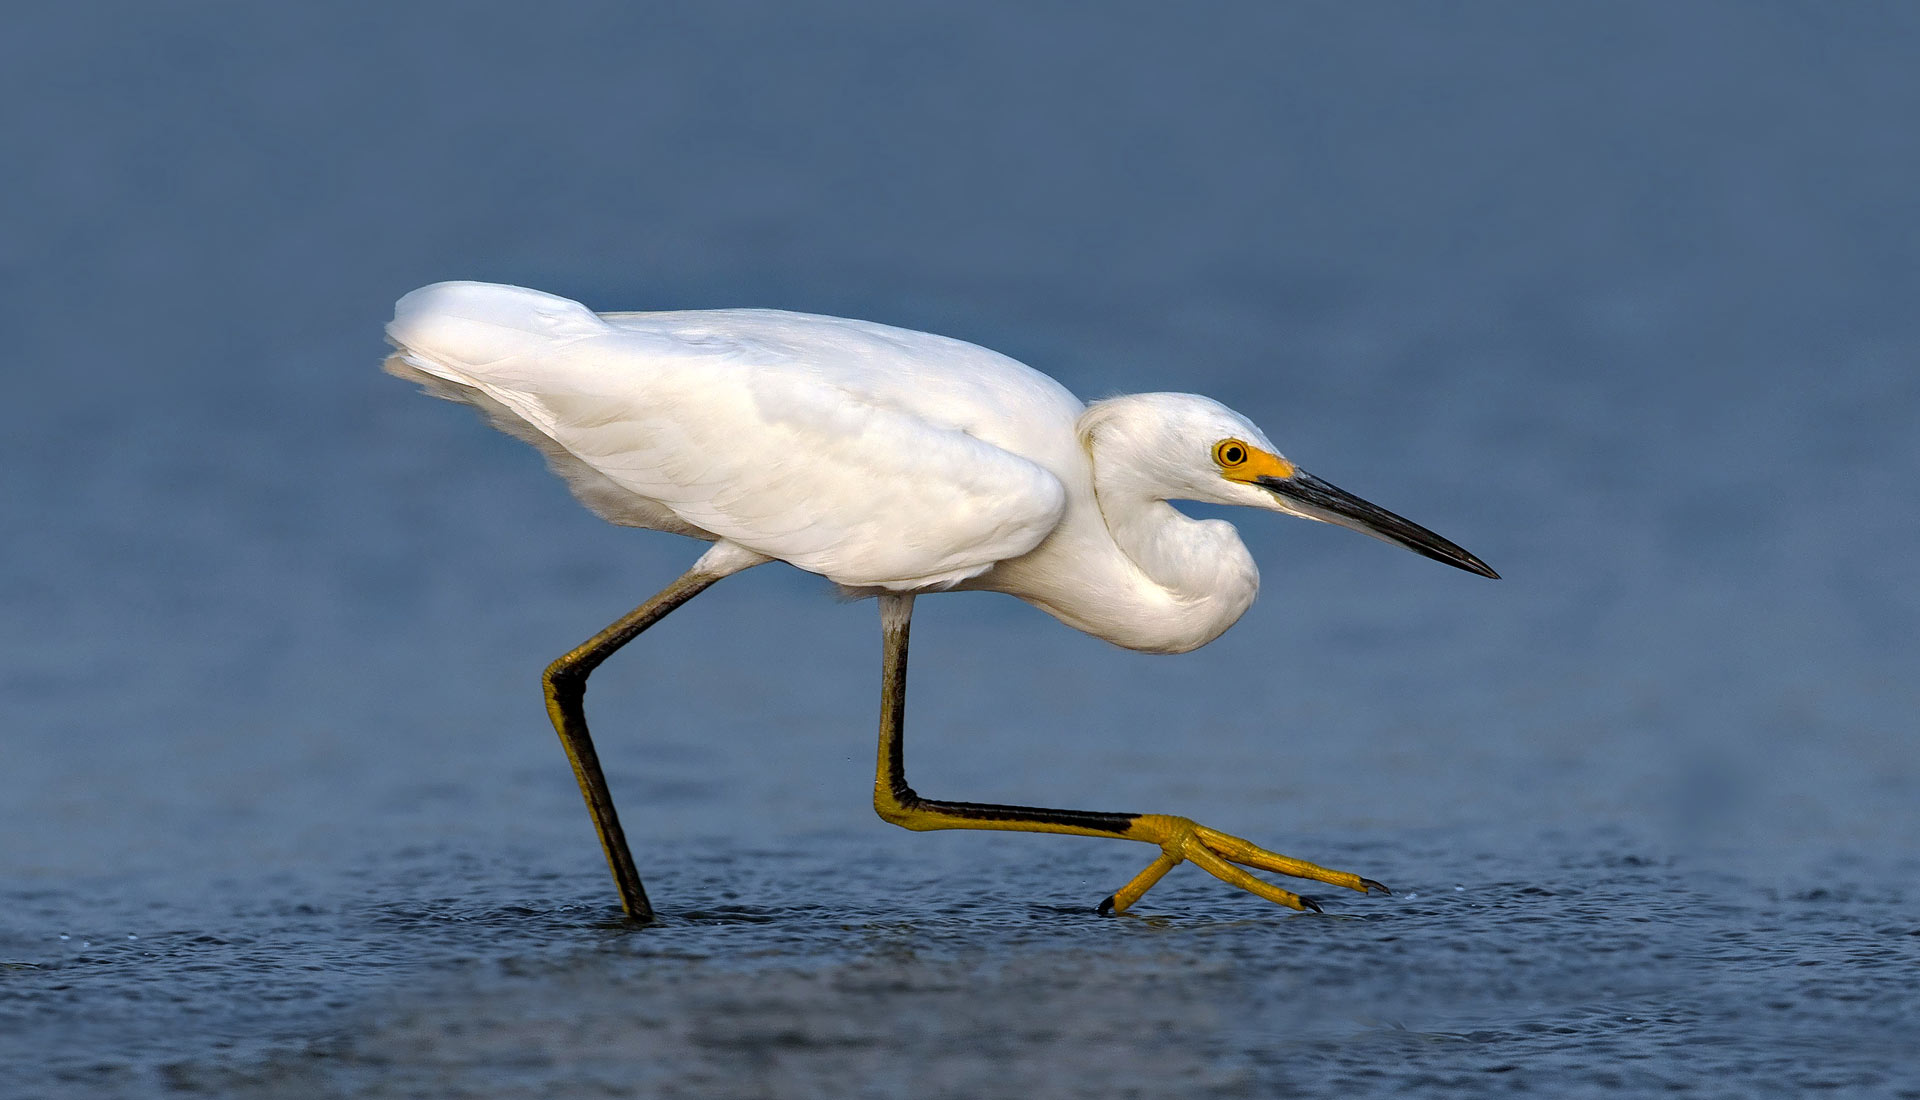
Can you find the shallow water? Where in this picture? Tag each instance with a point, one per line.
(1616, 299)
(1586, 972)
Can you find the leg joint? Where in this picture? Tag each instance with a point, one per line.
(559, 672)
(898, 806)
(564, 679)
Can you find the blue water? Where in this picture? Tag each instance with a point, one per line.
(1619, 297)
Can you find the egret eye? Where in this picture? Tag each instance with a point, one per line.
(1230, 452)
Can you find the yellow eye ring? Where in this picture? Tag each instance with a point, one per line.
(1230, 453)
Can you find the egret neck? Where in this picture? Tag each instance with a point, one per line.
(1193, 578)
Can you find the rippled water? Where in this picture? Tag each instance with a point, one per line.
(1589, 971)
(1618, 299)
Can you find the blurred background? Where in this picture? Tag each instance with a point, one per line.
(1618, 296)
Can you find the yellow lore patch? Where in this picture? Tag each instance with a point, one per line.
(1243, 462)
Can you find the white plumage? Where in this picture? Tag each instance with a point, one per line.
(781, 432)
(880, 458)
(890, 462)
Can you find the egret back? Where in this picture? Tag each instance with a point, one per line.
(877, 457)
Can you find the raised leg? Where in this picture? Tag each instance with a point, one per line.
(566, 687)
(1178, 838)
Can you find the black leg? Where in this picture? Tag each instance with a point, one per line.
(566, 687)
(1179, 839)
(898, 803)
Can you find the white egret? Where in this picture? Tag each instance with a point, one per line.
(892, 463)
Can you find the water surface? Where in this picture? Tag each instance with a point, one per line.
(1617, 298)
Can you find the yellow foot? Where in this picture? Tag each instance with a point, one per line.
(1216, 853)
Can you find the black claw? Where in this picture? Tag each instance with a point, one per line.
(1369, 886)
(1105, 908)
(1311, 904)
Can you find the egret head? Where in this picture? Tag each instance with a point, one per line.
(1194, 448)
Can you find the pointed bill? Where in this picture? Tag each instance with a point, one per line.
(1316, 499)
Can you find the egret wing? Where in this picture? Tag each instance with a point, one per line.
(738, 433)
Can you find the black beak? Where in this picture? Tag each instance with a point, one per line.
(1321, 501)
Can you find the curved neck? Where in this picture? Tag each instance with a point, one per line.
(1201, 567)
(1178, 553)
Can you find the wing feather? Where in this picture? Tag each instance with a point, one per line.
(814, 455)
